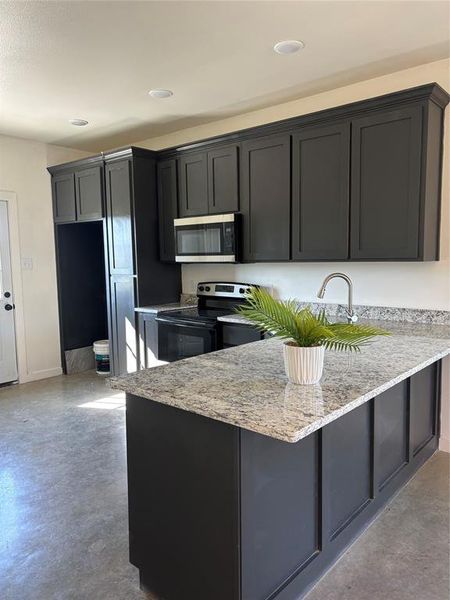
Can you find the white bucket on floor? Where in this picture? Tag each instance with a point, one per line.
(101, 351)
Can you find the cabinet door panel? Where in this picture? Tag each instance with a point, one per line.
(265, 198)
(148, 341)
(320, 194)
(423, 407)
(386, 165)
(391, 433)
(89, 194)
(347, 459)
(223, 192)
(123, 324)
(119, 218)
(167, 206)
(193, 185)
(280, 510)
(64, 198)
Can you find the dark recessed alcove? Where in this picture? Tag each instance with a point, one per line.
(82, 284)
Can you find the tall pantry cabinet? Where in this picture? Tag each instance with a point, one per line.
(133, 273)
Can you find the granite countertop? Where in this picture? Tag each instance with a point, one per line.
(234, 318)
(163, 307)
(246, 386)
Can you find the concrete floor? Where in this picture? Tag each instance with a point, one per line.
(63, 508)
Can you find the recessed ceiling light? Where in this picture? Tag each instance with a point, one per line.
(78, 122)
(288, 46)
(158, 93)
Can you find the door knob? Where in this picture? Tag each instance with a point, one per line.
(8, 306)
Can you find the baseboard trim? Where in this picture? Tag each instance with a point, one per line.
(37, 375)
(444, 444)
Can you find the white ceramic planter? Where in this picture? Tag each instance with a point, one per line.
(303, 365)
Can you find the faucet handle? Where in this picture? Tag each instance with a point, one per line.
(351, 317)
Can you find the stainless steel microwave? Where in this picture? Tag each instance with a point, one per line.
(207, 239)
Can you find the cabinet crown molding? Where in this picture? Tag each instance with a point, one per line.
(430, 91)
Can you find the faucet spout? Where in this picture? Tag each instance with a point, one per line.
(351, 316)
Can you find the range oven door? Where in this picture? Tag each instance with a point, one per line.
(210, 239)
(177, 340)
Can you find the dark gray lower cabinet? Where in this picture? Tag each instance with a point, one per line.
(242, 516)
(423, 397)
(347, 466)
(148, 340)
(280, 510)
(123, 324)
(183, 518)
(265, 198)
(391, 431)
(320, 192)
(235, 335)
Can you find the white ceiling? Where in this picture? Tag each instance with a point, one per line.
(97, 60)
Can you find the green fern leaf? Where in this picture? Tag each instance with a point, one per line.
(286, 320)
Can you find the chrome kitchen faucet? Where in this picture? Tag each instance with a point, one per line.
(351, 316)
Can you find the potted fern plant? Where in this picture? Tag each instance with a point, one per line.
(306, 335)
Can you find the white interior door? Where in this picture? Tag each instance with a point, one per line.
(8, 357)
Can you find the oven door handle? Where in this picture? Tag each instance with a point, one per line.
(186, 324)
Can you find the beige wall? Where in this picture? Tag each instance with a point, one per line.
(423, 285)
(25, 184)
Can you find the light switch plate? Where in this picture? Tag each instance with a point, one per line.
(27, 264)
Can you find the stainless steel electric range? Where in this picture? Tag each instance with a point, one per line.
(192, 331)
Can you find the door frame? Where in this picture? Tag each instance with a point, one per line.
(14, 246)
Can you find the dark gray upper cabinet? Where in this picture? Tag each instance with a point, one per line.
(371, 192)
(63, 187)
(223, 183)
(89, 193)
(265, 198)
(208, 182)
(167, 207)
(386, 184)
(320, 192)
(120, 222)
(77, 190)
(193, 179)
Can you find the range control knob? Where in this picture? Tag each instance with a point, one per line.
(242, 290)
(201, 288)
(207, 288)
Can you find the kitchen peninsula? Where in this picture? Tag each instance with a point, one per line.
(245, 487)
